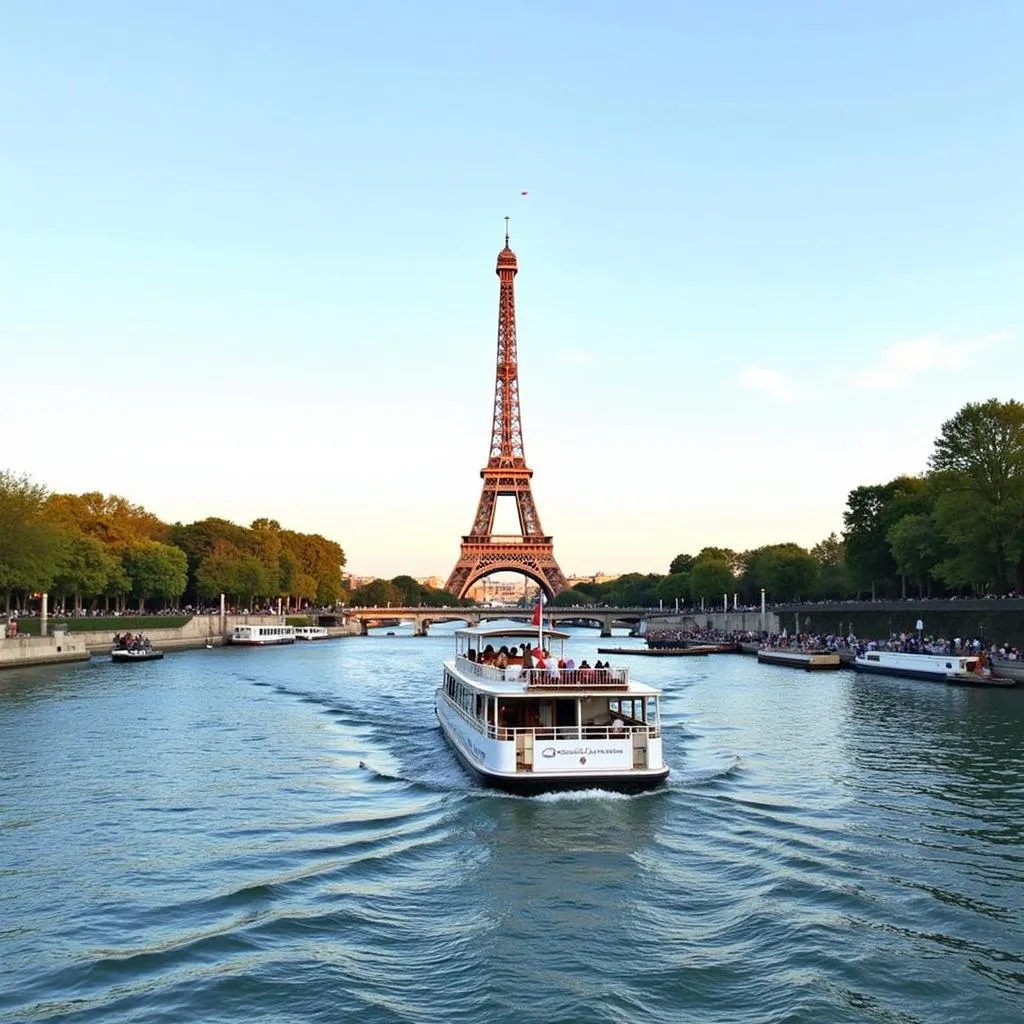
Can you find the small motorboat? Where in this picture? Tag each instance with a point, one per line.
(133, 647)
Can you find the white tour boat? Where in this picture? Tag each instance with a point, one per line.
(937, 667)
(535, 730)
(311, 633)
(263, 636)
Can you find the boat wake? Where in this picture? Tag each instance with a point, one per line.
(702, 776)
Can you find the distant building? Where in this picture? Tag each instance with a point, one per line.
(598, 577)
(355, 582)
(434, 582)
(488, 591)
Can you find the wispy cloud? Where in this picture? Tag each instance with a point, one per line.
(774, 383)
(901, 363)
(894, 368)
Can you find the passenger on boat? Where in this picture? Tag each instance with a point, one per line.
(488, 656)
(471, 655)
(527, 657)
(501, 661)
(618, 727)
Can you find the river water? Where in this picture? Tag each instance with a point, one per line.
(241, 835)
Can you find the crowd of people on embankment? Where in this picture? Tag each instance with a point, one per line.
(908, 643)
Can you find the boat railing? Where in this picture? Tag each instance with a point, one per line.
(572, 732)
(605, 731)
(545, 679)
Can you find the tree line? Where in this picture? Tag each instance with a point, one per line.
(957, 529)
(105, 552)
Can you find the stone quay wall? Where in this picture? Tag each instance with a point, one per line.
(723, 622)
(22, 651)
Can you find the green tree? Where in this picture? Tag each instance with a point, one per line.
(680, 564)
(111, 519)
(250, 578)
(913, 540)
(156, 570)
(268, 546)
(870, 512)
(86, 569)
(377, 594)
(978, 462)
(31, 547)
(634, 590)
(710, 578)
(833, 577)
(675, 587)
(304, 588)
(732, 558)
(569, 599)
(410, 590)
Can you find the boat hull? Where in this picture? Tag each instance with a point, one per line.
(973, 679)
(1012, 671)
(270, 642)
(523, 783)
(129, 658)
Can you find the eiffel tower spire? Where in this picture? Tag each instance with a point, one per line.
(506, 474)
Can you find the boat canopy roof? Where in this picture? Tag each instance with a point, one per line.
(490, 631)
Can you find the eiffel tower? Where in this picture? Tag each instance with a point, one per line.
(506, 474)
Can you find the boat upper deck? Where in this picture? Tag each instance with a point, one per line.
(516, 681)
(508, 673)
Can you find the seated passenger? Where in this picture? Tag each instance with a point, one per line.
(618, 727)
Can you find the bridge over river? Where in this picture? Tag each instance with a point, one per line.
(423, 618)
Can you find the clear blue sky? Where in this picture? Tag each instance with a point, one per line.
(247, 259)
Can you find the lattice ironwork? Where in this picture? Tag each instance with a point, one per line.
(506, 473)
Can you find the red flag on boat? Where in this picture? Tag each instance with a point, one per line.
(538, 608)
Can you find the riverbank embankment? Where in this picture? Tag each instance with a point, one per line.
(23, 651)
(199, 631)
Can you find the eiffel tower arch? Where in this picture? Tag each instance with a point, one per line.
(506, 475)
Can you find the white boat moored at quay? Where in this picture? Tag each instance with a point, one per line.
(936, 667)
(312, 633)
(263, 636)
(531, 730)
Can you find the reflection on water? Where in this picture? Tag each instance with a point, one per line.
(237, 835)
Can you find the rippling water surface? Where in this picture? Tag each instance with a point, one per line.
(282, 835)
